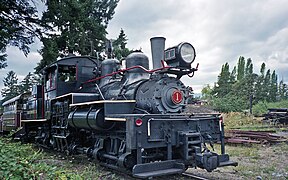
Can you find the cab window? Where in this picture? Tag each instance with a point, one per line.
(67, 73)
(51, 80)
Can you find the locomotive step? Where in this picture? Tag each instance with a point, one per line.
(148, 170)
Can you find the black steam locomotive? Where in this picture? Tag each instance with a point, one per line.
(127, 119)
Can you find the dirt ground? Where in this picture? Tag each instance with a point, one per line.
(255, 162)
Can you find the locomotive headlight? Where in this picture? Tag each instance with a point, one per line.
(181, 55)
(187, 52)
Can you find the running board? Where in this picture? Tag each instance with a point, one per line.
(148, 170)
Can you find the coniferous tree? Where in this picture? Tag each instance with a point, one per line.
(11, 88)
(80, 27)
(223, 84)
(283, 90)
(49, 52)
(231, 95)
(240, 68)
(119, 46)
(266, 85)
(233, 75)
(262, 69)
(260, 86)
(27, 83)
(273, 87)
(249, 67)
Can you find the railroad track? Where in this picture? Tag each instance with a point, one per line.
(237, 136)
(193, 176)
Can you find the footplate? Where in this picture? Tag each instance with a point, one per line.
(157, 169)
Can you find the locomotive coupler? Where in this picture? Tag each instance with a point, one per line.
(211, 160)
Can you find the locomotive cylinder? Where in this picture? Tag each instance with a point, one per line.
(89, 118)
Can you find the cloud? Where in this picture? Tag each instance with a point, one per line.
(220, 31)
(20, 64)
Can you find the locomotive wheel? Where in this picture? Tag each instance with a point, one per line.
(127, 161)
(97, 154)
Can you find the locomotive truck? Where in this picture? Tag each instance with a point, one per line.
(130, 119)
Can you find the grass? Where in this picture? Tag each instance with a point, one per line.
(240, 120)
(23, 161)
(259, 160)
(268, 162)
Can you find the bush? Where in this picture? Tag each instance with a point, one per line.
(229, 104)
(262, 107)
(239, 120)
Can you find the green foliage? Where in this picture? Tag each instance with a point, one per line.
(262, 107)
(230, 94)
(19, 25)
(241, 68)
(273, 87)
(19, 161)
(23, 161)
(224, 84)
(11, 87)
(49, 52)
(229, 103)
(27, 83)
(119, 46)
(78, 27)
(283, 90)
(249, 67)
(207, 92)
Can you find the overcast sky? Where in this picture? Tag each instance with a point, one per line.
(220, 31)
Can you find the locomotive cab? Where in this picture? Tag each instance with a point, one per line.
(65, 75)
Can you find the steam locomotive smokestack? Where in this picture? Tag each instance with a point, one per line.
(157, 49)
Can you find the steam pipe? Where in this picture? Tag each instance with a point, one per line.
(127, 69)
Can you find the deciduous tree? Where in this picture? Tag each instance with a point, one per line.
(19, 25)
